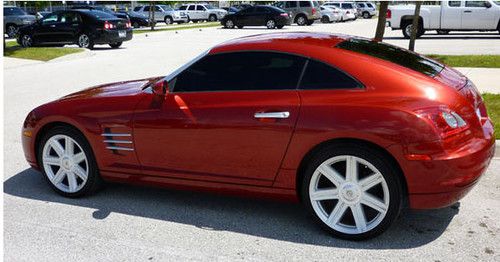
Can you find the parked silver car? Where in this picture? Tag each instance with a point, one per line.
(349, 7)
(164, 13)
(301, 12)
(330, 14)
(366, 9)
(15, 17)
(203, 12)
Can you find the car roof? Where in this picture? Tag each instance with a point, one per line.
(281, 42)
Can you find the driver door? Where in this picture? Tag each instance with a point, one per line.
(227, 118)
(48, 30)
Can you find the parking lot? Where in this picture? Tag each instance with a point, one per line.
(128, 223)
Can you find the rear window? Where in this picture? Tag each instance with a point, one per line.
(99, 14)
(393, 54)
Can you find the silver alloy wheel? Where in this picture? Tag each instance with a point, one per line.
(408, 29)
(65, 163)
(11, 31)
(168, 20)
(229, 24)
(271, 24)
(301, 20)
(351, 194)
(84, 41)
(212, 18)
(26, 41)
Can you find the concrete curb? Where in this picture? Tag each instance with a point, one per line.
(497, 149)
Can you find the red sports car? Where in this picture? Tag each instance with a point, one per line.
(352, 128)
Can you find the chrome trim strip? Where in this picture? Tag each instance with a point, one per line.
(120, 148)
(118, 141)
(115, 134)
(272, 115)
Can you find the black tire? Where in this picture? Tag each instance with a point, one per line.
(11, 30)
(376, 158)
(301, 20)
(406, 33)
(325, 19)
(168, 20)
(270, 24)
(89, 44)
(26, 41)
(94, 181)
(136, 25)
(115, 45)
(212, 18)
(366, 15)
(280, 26)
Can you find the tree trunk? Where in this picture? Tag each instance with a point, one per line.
(414, 26)
(152, 15)
(382, 13)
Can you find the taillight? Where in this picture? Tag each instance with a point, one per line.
(388, 14)
(445, 121)
(314, 11)
(108, 25)
(284, 14)
(128, 24)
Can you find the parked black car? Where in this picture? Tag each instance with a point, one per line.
(83, 27)
(136, 19)
(259, 15)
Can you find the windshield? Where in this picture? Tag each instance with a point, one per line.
(393, 54)
(13, 11)
(496, 2)
(166, 7)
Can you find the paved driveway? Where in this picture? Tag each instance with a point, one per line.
(130, 223)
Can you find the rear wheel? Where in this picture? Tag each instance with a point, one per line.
(84, 41)
(212, 18)
(325, 19)
(12, 31)
(270, 24)
(301, 20)
(229, 24)
(68, 163)
(407, 30)
(353, 191)
(168, 20)
(116, 45)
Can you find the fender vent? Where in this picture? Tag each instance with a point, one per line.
(118, 141)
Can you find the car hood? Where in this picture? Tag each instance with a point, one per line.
(119, 89)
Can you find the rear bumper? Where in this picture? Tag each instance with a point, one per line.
(112, 36)
(449, 176)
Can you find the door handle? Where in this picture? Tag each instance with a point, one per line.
(467, 11)
(272, 115)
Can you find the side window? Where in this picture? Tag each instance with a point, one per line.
(261, 10)
(157, 9)
(50, 19)
(319, 75)
(454, 3)
(200, 8)
(70, 18)
(304, 3)
(475, 4)
(242, 71)
(280, 4)
(146, 8)
(183, 7)
(248, 10)
(191, 7)
(291, 4)
(361, 5)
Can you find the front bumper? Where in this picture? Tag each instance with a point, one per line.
(112, 36)
(182, 19)
(449, 176)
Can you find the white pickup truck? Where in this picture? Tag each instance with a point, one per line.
(449, 16)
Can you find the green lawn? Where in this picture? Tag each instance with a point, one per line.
(492, 102)
(492, 61)
(12, 49)
(176, 28)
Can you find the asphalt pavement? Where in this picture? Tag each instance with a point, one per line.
(127, 223)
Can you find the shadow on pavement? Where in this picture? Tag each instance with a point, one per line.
(275, 220)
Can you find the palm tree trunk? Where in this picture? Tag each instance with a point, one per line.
(382, 13)
(414, 26)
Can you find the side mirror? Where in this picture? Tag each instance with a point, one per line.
(160, 88)
(487, 4)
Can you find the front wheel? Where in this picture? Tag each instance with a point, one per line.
(229, 24)
(407, 31)
(26, 41)
(212, 18)
(301, 20)
(270, 24)
(84, 41)
(366, 15)
(168, 20)
(353, 191)
(68, 163)
(116, 45)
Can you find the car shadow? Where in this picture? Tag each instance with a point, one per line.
(269, 219)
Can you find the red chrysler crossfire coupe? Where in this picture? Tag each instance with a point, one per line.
(354, 129)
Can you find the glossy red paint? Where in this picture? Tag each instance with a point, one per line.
(211, 140)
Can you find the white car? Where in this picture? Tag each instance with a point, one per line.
(449, 16)
(163, 13)
(200, 12)
(350, 11)
(330, 14)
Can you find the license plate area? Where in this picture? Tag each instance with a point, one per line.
(122, 34)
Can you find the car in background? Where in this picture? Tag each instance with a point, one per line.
(301, 12)
(14, 18)
(259, 15)
(446, 16)
(102, 9)
(85, 28)
(353, 129)
(164, 13)
(231, 9)
(203, 12)
(349, 7)
(136, 19)
(330, 14)
(242, 6)
(366, 9)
